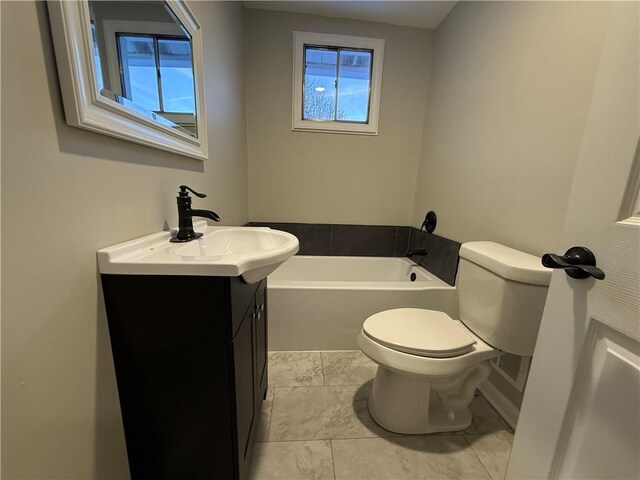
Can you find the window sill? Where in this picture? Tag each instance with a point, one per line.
(329, 127)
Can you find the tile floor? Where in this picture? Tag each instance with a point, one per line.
(315, 425)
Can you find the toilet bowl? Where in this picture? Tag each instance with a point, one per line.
(429, 365)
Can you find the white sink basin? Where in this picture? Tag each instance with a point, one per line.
(222, 251)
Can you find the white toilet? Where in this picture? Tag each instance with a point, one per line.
(429, 365)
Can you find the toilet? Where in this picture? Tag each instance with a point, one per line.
(429, 364)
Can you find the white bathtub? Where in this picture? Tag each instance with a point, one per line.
(320, 303)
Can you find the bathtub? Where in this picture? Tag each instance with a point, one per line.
(320, 303)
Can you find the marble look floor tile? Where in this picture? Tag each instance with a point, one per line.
(493, 450)
(485, 419)
(291, 369)
(292, 461)
(347, 368)
(262, 435)
(414, 457)
(308, 413)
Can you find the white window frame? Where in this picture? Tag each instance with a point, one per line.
(300, 39)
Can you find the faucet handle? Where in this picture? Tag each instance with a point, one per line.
(183, 192)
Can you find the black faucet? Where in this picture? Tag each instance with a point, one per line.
(185, 215)
(419, 252)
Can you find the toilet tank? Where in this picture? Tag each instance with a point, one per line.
(501, 295)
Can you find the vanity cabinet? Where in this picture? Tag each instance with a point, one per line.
(190, 354)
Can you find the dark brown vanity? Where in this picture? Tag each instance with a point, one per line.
(190, 355)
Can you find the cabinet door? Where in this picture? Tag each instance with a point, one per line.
(261, 341)
(244, 365)
(242, 295)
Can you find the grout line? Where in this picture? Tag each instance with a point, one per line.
(273, 402)
(327, 384)
(478, 457)
(508, 458)
(324, 380)
(331, 439)
(387, 437)
(314, 351)
(319, 386)
(333, 461)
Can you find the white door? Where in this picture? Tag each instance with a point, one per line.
(581, 412)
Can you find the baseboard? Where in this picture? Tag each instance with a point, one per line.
(502, 404)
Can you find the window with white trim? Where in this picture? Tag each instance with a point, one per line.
(156, 72)
(336, 83)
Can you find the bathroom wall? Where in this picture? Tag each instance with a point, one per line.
(508, 101)
(323, 177)
(66, 192)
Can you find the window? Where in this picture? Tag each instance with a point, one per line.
(337, 82)
(96, 55)
(156, 72)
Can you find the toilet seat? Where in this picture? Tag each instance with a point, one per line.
(419, 365)
(421, 332)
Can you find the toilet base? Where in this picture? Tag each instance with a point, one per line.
(411, 404)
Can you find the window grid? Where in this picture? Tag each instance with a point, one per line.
(338, 51)
(156, 51)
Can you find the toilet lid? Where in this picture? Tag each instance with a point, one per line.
(427, 333)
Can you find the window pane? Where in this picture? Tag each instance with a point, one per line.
(140, 83)
(176, 75)
(96, 56)
(354, 85)
(319, 96)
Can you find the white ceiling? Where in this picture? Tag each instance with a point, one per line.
(424, 14)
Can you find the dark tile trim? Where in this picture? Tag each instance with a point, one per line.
(362, 240)
(345, 240)
(315, 239)
(401, 245)
(374, 241)
(442, 254)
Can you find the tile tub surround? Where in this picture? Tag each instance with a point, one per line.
(374, 241)
(345, 240)
(315, 425)
(442, 254)
(314, 238)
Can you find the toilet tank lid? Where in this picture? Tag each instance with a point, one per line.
(507, 262)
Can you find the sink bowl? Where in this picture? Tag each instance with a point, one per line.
(250, 252)
(234, 241)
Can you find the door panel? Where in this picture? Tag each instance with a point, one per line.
(601, 427)
(579, 416)
(242, 295)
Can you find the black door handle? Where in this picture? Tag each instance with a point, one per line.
(577, 262)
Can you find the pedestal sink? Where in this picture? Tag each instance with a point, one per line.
(250, 252)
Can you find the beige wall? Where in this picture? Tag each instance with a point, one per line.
(332, 178)
(508, 102)
(66, 193)
(495, 155)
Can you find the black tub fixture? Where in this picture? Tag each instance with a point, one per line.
(418, 252)
(430, 222)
